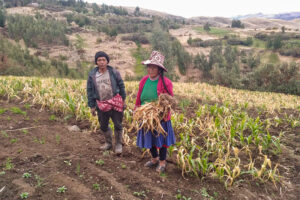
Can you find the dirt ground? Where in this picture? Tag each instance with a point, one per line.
(40, 143)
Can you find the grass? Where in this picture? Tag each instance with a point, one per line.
(61, 189)
(273, 58)
(258, 43)
(26, 175)
(24, 195)
(9, 165)
(100, 162)
(213, 31)
(270, 57)
(52, 118)
(96, 186)
(2, 110)
(139, 69)
(17, 110)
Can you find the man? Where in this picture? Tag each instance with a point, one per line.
(106, 95)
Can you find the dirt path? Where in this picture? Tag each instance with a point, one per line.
(40, 143)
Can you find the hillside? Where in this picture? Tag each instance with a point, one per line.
(128, 35)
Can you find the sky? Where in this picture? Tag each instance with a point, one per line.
(209, 8)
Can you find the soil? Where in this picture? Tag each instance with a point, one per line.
(40, 143)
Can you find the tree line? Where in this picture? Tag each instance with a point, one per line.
(235, 68)
(37, 29)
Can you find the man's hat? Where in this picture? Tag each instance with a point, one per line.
(101, 54)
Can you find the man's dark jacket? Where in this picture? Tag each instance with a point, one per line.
(117, 85)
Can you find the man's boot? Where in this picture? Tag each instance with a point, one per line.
(108, 140)
(118, 140)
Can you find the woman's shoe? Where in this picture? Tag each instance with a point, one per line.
(161, 168)
(151, 164)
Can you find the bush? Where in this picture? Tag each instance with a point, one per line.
(183, 58)
(19, 62)
(36, 30)
(99, 40)
(277, 78)
(237, 24)
(261, 36)
(201, 62)
(224, 68)
(239, 41)
(138, 38)
(206, 27)
(206, 43)
(2, 17)
(295, 52)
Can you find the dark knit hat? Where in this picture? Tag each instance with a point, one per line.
(101, 54)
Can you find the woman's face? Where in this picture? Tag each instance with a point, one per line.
(152, 70)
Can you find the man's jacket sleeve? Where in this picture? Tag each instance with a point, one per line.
(121, 85)
(90, 94)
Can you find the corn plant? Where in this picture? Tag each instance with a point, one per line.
(61, 189)
(208, 144)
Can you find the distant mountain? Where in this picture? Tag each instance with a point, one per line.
(282, 16)
(288, 16)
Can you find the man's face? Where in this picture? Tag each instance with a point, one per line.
(101, 62)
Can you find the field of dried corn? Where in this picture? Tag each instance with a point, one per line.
(234, 136)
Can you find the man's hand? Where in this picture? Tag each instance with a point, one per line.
(93, 111)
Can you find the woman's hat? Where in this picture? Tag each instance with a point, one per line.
(157, 59)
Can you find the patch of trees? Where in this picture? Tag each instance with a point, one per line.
(103, 9)
(236, 23)
(201, 62)
(206, 27)
(35, 30)
(174, 53)
(116, 24)
(137, 11)
(295, 52)
(240, 41)
(16, 3)
(183, 58)
(138, 38)
(282, 35)
(80, 19)
(2, 17)
(77, 5)
(283, 77)
(226, 66)
(286, 44)
(197, 42)
(274, 43)
(19, 62)
(250, 59)
(167, 24)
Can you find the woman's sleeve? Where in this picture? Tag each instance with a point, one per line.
(138, 96)
(170, 88)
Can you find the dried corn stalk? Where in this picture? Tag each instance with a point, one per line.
(149, 116)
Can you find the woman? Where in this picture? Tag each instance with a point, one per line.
(150, 87)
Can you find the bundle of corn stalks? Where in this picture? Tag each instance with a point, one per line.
(149, 115)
